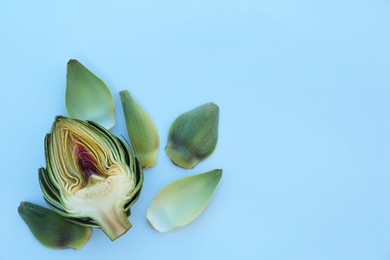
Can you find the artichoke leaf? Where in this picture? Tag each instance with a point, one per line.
(49, 191)
(181, 201)
(87, 96)
(193, 136)
(51, 229)
(142, 131)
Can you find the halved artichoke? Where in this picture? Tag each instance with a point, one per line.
(91, 177)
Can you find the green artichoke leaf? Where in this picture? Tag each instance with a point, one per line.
(52, 229)
(87, 96)
(142, 131)
(193, 136)
(182, 201)
(91, 176)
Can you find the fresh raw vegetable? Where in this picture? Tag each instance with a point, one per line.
(51, 229)
(181, 201)
(87, 96)
(193, 136)
(142, 131)
(91, 176)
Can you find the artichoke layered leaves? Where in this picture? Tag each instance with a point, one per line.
(91, 177)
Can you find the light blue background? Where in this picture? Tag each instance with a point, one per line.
(304, 94)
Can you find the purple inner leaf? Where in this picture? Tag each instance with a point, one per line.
(86, 162)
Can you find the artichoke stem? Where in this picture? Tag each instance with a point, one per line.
(113, 222)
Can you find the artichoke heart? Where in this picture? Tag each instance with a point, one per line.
(91, 177)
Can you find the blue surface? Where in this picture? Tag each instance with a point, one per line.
(304, 95)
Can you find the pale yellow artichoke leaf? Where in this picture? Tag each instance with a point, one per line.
(181, 201)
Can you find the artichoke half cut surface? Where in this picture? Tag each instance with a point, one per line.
(91, 177)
